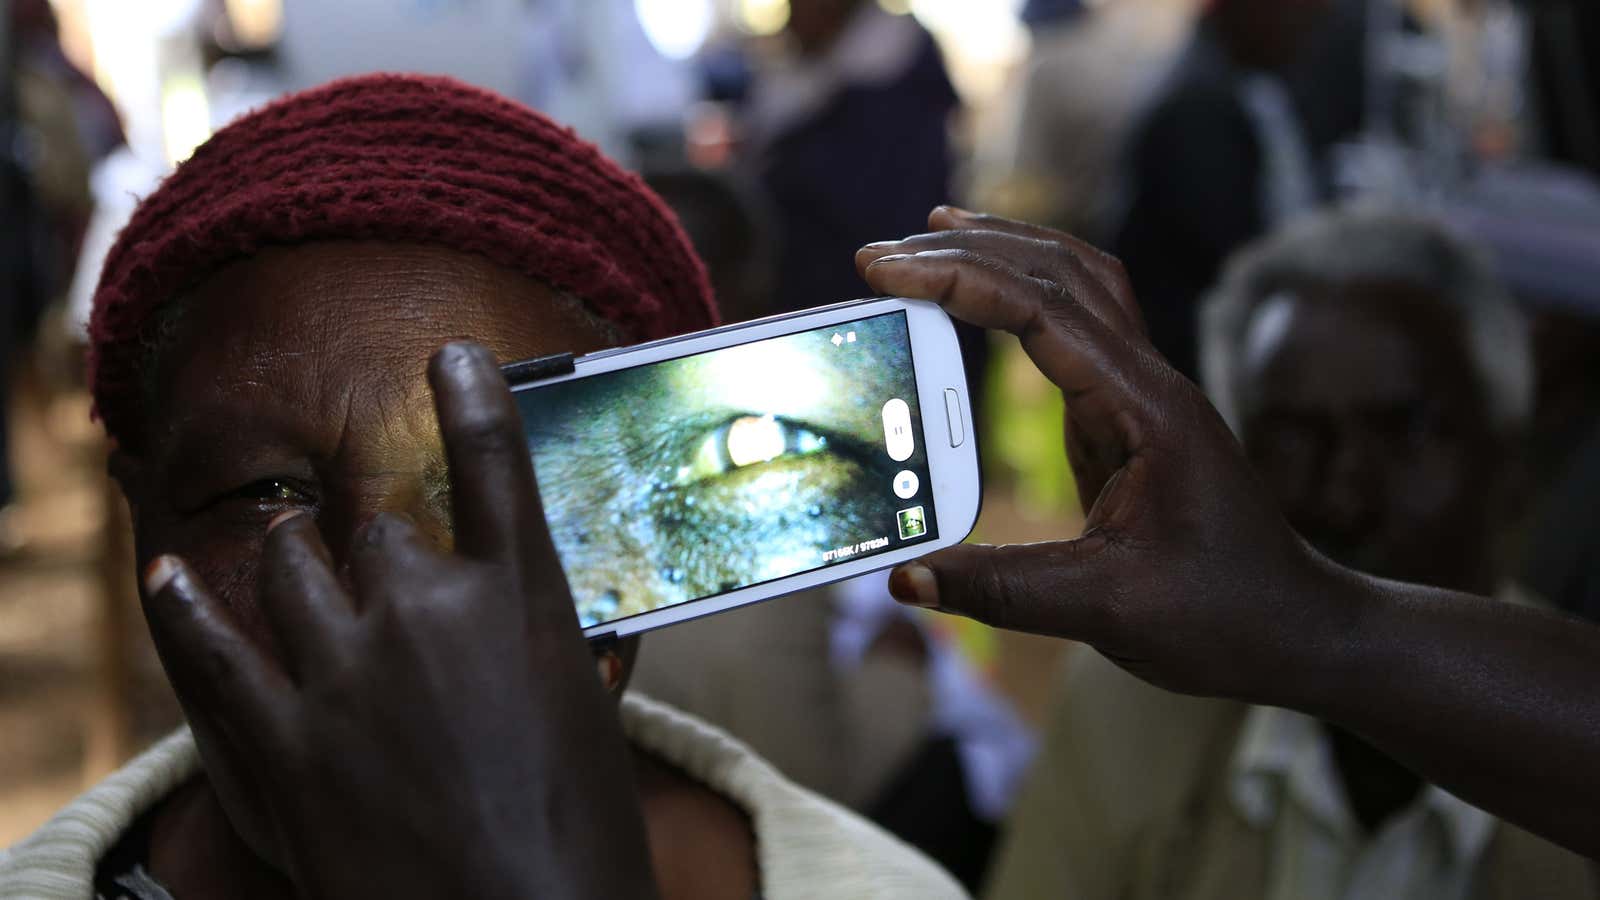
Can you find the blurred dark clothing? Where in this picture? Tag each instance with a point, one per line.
(1193, 163)
(1049, 12)
(1563, 560)
(54, 123)
(868, 165)
(1197, 168)
(15, 203)
(926, 807)
(729, 227)
(1566, 80)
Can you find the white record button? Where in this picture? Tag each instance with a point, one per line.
(897, 437)
(906, 484)
(952, 414)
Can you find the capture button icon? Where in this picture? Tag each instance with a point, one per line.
(906, 484)
(897, 435)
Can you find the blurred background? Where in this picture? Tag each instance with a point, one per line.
(786, 133)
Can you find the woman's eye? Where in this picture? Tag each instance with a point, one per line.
(271, 490)
(748, 441)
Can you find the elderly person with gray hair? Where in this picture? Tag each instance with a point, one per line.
(1379, 379)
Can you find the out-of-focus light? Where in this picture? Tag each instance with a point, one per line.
(708, 135)
(676, 28)
(896, 7)
(981, 41)
(763, 16)
(255, 23)
(76, 42)
(985, 31)
(161, 17)
(185, 117)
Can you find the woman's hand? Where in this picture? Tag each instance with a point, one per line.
(1177, 526)
(438, 728)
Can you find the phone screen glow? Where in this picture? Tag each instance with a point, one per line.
(692, 477)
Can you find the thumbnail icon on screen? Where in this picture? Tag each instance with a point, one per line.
(912, 524)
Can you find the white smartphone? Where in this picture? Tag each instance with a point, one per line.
(692, 475)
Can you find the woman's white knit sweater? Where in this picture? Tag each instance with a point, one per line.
(807, 846)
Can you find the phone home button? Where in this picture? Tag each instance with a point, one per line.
(952, 415)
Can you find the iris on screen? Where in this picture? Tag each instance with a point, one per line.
(692, 477)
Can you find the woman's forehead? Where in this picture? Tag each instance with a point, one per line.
(298, 325)
(382, 300)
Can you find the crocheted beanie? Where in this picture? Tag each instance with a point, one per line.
(407, 158)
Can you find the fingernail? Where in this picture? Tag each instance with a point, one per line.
(914, 585)
(463, 359)
(607, 665)
(160, 573)
(893, 257)
(957, 211)
(881, 245)
(283, 517)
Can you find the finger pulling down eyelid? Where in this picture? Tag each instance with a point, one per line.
(301, 598)
(215, 668)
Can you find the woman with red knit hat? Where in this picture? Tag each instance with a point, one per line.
(346, 568)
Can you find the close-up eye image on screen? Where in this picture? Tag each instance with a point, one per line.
(687, 478)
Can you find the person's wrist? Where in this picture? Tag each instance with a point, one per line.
(1317, 651)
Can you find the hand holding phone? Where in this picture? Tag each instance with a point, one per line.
(692, 475)
(1177, 524)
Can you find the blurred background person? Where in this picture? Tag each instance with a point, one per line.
(847, 129)
(731, 227)
(56, 124)
(1222, 153)
(1381, 380)
(1052, 154)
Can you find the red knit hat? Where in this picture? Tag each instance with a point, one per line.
(400, 158)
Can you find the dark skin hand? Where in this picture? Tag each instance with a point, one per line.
(1188, 576)
(388, 688)
(351, 722)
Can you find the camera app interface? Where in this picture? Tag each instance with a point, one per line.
(692, 477)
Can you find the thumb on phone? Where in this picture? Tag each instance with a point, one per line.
(1048, 588)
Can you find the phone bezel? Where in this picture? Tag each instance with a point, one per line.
(954, 471)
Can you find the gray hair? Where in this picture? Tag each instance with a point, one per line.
(1341, 248)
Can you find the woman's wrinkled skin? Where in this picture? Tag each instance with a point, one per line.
(389, 693)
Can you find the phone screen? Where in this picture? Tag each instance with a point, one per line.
(692, 477)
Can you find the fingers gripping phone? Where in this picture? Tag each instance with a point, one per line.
(688, 476)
